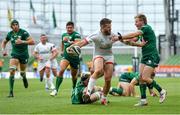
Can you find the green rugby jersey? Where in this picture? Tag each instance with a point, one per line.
(18, 50)
(77, 93)
(67, 40)
(129, 76)
(148, 35)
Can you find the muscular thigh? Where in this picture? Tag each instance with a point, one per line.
(147, 71)
(98, 64)
(63, 64)
(108, 71)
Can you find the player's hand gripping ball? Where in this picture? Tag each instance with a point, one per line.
(74, 50)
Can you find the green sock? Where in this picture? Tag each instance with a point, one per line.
(143, 90)
(117, 90)
(74, 83)
(155, 85)
(58, 82)
(23, 75)
(11, 82)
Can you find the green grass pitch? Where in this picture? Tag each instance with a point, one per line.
(35, 100)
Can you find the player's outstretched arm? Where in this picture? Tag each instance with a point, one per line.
(3, 46)
(132, 35)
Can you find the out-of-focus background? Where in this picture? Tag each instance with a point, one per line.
(50, 17)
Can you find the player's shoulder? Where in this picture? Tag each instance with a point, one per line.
(95, 33)
(39, 44)
(64, 34)
(23, 31)
(76, 34)
(146, 26)
(50, 44)
(10, 32)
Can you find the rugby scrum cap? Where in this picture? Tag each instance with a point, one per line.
(14, 22)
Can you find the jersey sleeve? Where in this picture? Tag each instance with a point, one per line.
(8, 37)
(92, 38)
(144, 29)
(77, 36)
(36, 48)
(25, 35)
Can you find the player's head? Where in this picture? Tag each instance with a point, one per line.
(70, 27)
(15, 25)
(140, 20)
(85, 78)
(43, 38)
(105, 25)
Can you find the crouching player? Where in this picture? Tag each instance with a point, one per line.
(80, 90)
(127, 83)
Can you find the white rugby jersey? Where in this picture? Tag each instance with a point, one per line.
(44, 50)
(102, 43)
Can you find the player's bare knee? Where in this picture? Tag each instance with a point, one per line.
(12, 70)
(108, 79)
(47, 70)
(98, 72)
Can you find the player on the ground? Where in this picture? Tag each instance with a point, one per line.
(103, 58)
(127, 83)
(68, 38)
(46, 53)
(20, 39)
(80, 90)
(150, 57)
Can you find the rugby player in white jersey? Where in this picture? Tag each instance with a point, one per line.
(46, 54)
(102, 57)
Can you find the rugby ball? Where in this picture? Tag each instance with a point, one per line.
(76, 50)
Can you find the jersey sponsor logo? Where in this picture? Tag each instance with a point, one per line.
(25, 33)
(149, 62)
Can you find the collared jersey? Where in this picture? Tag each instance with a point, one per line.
(18, 50)
(148, 35)
(102, 43)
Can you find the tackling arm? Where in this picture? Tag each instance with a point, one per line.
(132, 35)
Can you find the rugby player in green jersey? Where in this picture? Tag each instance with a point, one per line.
(68, 38)
(150, 57)
(80, 90)
(126, 84)
(20, 39)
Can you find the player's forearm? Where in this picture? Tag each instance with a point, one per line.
(54, 55)
(81, 43)
(29, 42)
(131, 35)
(3, 45)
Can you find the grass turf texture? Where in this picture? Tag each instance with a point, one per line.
(35, 100)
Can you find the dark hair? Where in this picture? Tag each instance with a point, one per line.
(105, 21)
(84, 76)
(43, 35)
(14, 22)
(142, 17)
(70, 23)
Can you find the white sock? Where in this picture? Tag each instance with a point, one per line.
(144, 100)
(46, 83)
(91, 85)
